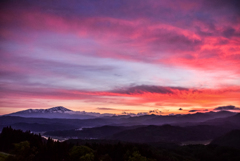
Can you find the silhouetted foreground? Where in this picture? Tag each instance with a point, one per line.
(18, 145)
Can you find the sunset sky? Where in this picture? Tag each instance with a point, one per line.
(115, 56)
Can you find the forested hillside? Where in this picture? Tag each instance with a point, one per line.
(16, 145)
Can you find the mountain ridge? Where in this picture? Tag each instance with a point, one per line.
(57, 112)
(56, 109)
(62, 112)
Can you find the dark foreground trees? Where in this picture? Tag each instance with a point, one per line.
(16, 145)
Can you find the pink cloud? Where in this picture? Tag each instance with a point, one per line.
(202, 37)
(166, 96)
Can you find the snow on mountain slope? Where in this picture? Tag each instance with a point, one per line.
(58, 109)
(57, 112)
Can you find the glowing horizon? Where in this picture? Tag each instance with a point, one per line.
(116, 56)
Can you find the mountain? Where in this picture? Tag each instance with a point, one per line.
(121, 120)
(61, 117)
(41, 124)
(231, 139)
(58, 109)
(56, 112)
(178, 120)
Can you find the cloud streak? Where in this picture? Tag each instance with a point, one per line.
(141, 89)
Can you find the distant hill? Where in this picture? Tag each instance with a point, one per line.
(90, 133)
(168, 133)
(191, 118)
(232, 122)
(60, 118)
(47, 124)
(231, 139)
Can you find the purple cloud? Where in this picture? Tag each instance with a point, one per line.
(230, 107)
(84, 50)
(192, 110)
(148, 89)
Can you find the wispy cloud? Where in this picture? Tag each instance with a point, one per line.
(112, 109)
(105, 108)
(148, 89)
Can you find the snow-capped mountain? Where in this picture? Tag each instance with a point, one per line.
(57, 112)
(58, 109)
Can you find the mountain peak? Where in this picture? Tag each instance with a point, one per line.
(58, 109)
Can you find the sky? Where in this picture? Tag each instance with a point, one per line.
(120, 56)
